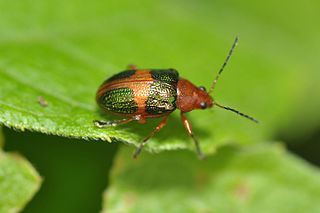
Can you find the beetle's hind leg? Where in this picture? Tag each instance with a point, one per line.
(132, 67)
(103, 124)
(145, 140)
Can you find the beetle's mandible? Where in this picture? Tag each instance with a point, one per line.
(138, 94)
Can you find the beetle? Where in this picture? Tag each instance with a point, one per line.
(139, 94)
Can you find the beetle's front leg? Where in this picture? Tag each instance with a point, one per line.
(103, 124)
(188, 127)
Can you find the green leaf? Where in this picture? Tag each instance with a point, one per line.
(62, 51)
(1, 138)
(18, 182)
(256, 179)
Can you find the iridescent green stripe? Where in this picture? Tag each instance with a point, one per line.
(162, 98)
(166, 75)
(120, 100)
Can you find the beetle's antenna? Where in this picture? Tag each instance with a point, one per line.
(236, 111)
(223, 65)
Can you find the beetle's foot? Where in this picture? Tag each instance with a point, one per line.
(137, 151)
(103, 124)
(201, 156)
(199, 152)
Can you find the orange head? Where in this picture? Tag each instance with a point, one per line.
(190, 97)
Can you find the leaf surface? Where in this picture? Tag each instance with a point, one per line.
(18, 182)
(257, 179)
(46, 53)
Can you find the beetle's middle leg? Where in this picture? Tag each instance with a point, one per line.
(145, 140)
(103, 124)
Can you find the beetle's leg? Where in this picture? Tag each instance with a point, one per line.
(132, 67)
(102, 124)
(188, 127)
(145, 140)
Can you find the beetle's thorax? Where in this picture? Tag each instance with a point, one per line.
(190, 97)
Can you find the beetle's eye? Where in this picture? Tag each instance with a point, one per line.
(203, 105)
(202, 88)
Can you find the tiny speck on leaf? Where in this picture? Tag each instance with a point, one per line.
(43, 102)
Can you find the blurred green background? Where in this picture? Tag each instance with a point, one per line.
(67, 48)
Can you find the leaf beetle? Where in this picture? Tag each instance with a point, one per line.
(138, 94)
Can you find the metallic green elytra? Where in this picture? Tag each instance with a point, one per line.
(140, 92)
(162, 98)
(163, 92)
(120, 100)
(169, 75)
